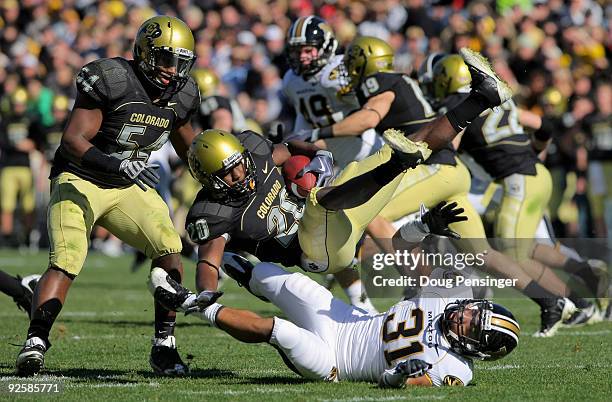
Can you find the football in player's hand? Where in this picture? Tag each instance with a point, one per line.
(291, 169)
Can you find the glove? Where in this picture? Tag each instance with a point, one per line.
(204, 299)
(396, 377)
(276, 132)
(439, 217)
(140, 173)
(322, 165)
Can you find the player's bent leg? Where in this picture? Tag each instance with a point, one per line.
(522, 208)
(304, 302)
(303, 351)
(151, 231)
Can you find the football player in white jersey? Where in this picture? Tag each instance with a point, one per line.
(429, 340)
(312, 85)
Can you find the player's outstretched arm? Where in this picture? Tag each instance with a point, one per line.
(369, 116)
(210, 256)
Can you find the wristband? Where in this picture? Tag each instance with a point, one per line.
(321, 133)
(545, 131)
(96, 159)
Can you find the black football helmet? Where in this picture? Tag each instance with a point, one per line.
(493, 331)
(310, 31)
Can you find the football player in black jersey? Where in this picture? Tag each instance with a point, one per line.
(498, 142)
(244, 198)
(124, 110)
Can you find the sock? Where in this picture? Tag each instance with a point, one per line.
(578, 301)
(166, 320)
(539, 295)
(11, 286)
(43, 319)
(465, 112)
(353, 292)
(583, 270)
(385, 173)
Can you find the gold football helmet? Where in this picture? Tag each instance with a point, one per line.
(554, 102)
(450, 75)
(212, 155)
(164, 52)
(207, 81)
(365, 56)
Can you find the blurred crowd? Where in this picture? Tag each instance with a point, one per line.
(554, 53)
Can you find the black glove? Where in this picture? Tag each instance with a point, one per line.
(140, 173)
(439, 217)
(322, 165)
(276, 132)
(204, 299)
(396, 377)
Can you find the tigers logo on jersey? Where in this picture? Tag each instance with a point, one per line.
(452, 381)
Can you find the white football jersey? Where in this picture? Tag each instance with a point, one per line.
(317, 105)
(408, 330)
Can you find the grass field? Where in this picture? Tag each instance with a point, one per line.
(101, 344)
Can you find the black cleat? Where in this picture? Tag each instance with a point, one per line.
(485, 81)
(164, 359)
(588, 315)
(31, 358)
(553, 316)
(239, 269)
(168, 292)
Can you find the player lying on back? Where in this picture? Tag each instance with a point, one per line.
(429, 340)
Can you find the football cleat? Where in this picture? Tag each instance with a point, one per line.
(407, 153)
(484, 80)
(608, 314)
(239, 269)
(168, 292)
(28, 284)
(588, 315)
(552, 317)
(31, 358)
(165, 359)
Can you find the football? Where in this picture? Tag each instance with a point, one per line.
(302, 186)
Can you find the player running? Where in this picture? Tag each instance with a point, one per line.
(124, 110)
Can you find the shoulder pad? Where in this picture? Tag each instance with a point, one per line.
(103, 79)
(188, 100)
(208, 220)
(255, 143)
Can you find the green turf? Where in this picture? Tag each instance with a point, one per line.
(101, 347)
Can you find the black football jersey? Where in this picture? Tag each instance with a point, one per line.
(264, 225)
(409, 110)
(132, 126)
(498, 142)
(208, 106)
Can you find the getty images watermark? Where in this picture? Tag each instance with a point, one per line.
(404, 261)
